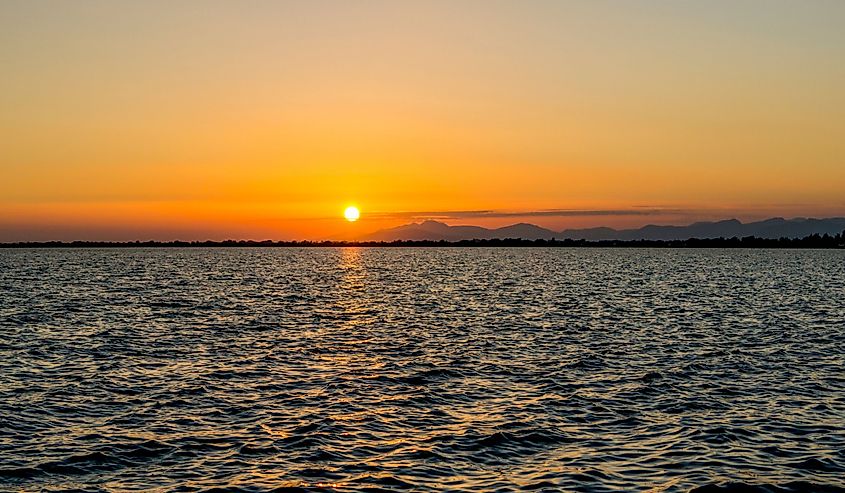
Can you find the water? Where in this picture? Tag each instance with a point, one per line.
(422, 369)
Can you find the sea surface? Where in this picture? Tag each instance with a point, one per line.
(444, 369)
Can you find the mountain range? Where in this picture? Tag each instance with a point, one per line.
(777, 227)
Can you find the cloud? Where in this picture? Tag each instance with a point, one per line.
(530, 213)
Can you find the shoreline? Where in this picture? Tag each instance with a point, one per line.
(815, 241)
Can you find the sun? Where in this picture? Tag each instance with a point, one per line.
(351, 213)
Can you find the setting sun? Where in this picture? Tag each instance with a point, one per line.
(351, 213)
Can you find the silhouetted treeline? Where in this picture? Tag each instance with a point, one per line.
(812, 241)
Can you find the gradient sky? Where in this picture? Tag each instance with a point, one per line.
(194, 120)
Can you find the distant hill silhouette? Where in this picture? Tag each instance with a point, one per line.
(433, 230)
(770, 228)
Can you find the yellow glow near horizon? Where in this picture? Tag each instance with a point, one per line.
(352, 213)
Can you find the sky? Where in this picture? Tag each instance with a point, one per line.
(264, 120)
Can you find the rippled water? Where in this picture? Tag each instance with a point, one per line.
(422, 369)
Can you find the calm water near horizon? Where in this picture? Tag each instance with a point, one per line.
(459, 369)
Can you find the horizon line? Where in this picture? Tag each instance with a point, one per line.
(814, 240)
(337, 240)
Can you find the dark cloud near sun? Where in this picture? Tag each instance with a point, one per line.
(483, 214)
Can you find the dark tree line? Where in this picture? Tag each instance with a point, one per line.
(812, 241)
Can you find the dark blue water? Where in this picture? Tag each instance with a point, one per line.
(422, 369)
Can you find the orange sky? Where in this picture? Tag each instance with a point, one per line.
(139, 120)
